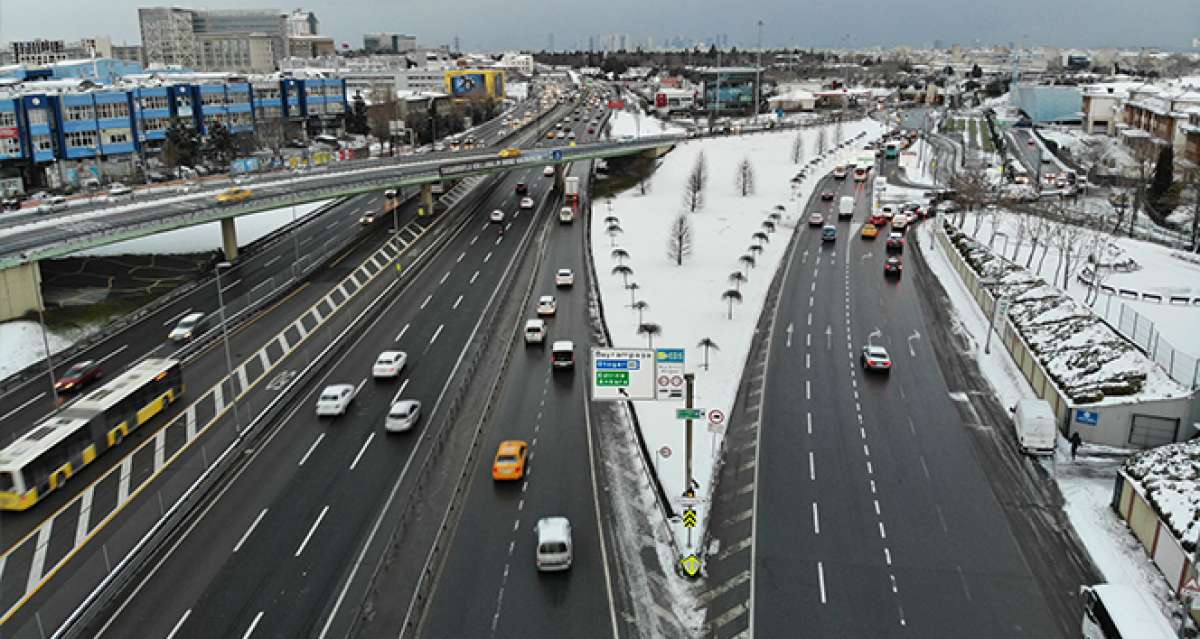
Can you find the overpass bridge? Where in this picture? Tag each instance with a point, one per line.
(23, 246)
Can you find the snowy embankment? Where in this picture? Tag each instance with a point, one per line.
(633, 121)
(1088, 360)
(688, 302)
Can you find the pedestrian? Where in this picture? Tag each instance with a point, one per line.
(1076, 442)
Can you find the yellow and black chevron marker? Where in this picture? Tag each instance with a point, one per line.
(689, 518)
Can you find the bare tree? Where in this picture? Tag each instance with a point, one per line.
(613, 231)
(693, 188)
(679, 239)
(822, 140)
(744, 179)
(760, 238)
(838, 133)
(731, 296)
(797, 148)
(633, 288)
(768, 226)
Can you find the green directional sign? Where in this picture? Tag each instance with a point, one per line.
(689, 413)
(612, 378)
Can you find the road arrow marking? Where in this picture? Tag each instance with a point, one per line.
(866, 256)
(915, 336)
(790, 328)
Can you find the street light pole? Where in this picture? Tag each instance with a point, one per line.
(758, 74)
(46, 344)
(237, 420)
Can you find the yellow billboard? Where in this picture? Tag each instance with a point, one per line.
(475, 83)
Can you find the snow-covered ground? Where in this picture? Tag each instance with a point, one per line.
(1159, 271)
(917, 163)
(1087, 483)
(21, 341)
(686, 301)
(639, 124)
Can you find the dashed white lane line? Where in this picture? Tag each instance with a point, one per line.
(925, 468)
(473, 277)
(436, 333)
(253, 625)
(516, 525)
(474, 239)
(179, 624)
(311, 449)
(445, 277)
(426, 302)
(807, 389)
(882, 531)
(807, 361)
(312, 530)
(456, 303)
(487, 257)
(809, 419)
(821, 580)
(812, 468)
(401, 333)
(362, 450)
(460, 257)
(403, 385)
(816, 520)
(246, 535)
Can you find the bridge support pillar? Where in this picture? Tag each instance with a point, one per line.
(20, 290)
(426, 200)
(229, 241)
(560, 182)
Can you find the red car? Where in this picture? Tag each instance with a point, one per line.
(895, 242)
(827, 196)
(79, 375)
(878, 219)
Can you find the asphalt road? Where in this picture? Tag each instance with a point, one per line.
(873, 515)
(307, 499)
(489, 583)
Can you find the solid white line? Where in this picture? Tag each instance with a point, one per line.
(231, 285)
(21, 407)
(426, 302)
(311, 449)
(812, 467)
(172, 319)
(821, 580)
(487, 257)
(401, 333)
(179, 624)
(253, 625)
(474, 276)
(436, 333)
(444, 278)
(362, 450)
(246, 535)
(457, 302)
(311, 531)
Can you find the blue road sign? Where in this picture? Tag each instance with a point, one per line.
(672, 355)
(1087, 417)
(618, 364)
(556, 155)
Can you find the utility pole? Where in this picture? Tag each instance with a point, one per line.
(689, 380)
(758, 74)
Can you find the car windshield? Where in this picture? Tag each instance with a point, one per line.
(401, 411)
(77, 369)
(188, 322)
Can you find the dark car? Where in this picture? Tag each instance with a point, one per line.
(79, 375)
(892, 266)
(895, 242)
(826, 196)
(522, 188)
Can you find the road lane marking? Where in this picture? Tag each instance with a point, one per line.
(821, 580)
(401, 333)
(253, 625)
(516, 525)
(808, 416)
(271, 261)
(460, 257)
(487, 257)
(123, 480)
(362, 450)
(882, 532)
(445, 277)
(876, 506)
(807, 361)
(160, 443)
(870, 471)
(403, 385)
(82, 525)
(190, 418)
(246, 535)
(311, 449)
(807, 389)
(816, 520)
(887, 555)
(925, 468)
(474, 276)
(812, 467)
(474, 240)
(310, 532)
(38, 563)
(436, 333)
(22, 406)
(426, 302)
(172, 319)
(457, 302)
(179, 624)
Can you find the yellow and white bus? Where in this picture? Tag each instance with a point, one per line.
(40, 461)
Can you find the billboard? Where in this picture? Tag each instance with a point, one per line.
(468, 85)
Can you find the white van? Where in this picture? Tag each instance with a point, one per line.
(562, 354)
(1035, 423)
(846, 206)
(535, 331)
(554, 547)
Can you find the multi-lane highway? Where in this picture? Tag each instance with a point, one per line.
(873, 513)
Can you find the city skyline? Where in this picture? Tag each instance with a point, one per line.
(918, 24)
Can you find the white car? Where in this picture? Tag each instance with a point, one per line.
(546, 305)
(526, 202)
(334, 400)
(535, 331)
(497, 216)
(402, 416)
(548, 171)
(564, 277)
(189, 326)
(118, 190)
(554, 551)
(389, 364)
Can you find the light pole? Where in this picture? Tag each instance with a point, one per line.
(390, 194)
(237, 420)
(758, 75)
(46, 344)
(295, 242)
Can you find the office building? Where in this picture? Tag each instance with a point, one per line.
(389, 42)
(227, 39)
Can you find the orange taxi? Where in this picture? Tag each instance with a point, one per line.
(870, 231)
(510, 460)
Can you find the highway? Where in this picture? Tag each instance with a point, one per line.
(278, 543)
(69, 517)
(489, 582)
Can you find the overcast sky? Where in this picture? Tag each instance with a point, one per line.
(528, 24)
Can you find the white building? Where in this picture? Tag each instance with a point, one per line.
(520, 62)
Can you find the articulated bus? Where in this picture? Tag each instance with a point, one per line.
(41, 461)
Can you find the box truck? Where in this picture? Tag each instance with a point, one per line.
(846, 207)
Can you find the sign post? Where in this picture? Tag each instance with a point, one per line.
(1001, 308)
(688, 482)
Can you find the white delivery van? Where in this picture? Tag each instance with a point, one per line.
(1035, 423)
(562, 354)
(554, 547)
(846, 206)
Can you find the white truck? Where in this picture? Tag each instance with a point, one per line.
(1035, 422)
(571, 190)
(846, 207)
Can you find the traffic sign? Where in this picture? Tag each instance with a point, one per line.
(1087, 417)
(622, 373)
(716, 416)
(689, 413)
(665, 452)
(1002, 305)
(689, 518)
(669, 373)
(556, 155)
(691, 565)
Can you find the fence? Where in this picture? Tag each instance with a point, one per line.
(1161, 544)
(1183, 367)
